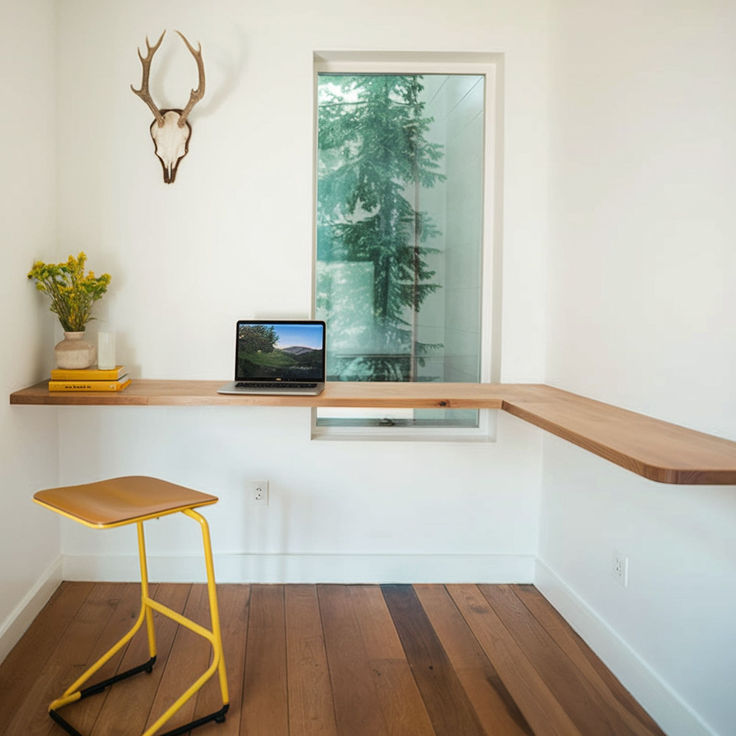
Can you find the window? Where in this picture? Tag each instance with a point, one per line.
(401, 277)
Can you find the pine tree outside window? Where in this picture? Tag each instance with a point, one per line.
(400, 225)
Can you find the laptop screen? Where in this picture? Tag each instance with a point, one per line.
(280, 351)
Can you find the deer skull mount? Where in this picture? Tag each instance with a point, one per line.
(170, 129)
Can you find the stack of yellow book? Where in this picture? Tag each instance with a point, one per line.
(89, 379)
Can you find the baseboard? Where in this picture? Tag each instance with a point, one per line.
(309, 568)
(667, 708)
(21, 617)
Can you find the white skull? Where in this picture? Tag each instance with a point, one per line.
(171, 141)
(170, 129)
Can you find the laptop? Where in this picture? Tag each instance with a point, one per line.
(278, 357)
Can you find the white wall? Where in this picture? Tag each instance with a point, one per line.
(232, 238)
(641, 314)
(29, 538)
(621, 130)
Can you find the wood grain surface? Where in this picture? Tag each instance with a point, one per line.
(327, 660)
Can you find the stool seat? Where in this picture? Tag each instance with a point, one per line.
(135, 499)
(118, 501)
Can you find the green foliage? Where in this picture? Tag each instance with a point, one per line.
(258, 338)
(273, 359)
(72, 293)
(373, 159)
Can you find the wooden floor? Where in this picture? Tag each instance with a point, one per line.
(353, 660)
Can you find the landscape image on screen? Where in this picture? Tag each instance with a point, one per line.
(290, 352)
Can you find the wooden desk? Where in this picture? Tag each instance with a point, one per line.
(657, 450)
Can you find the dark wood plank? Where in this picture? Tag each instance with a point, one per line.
(264, 710)
(234, 607)
(535, 700)
(502, 648)
(19, 671)
(498, 713)
(448, 705)
(591, 667)
(128, 703)
(311, 710)
(125, 599)
(70, 658)
(398, 695)
(585, 705)
(188, 659)
(357, 704)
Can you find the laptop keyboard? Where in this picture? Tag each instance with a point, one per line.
(275, 384)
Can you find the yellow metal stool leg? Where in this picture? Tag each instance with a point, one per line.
(148, 606)
(212, 593)
(214, 636)
(144, 592)
(75, 691)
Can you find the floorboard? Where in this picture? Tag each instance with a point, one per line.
(265, 697)
(311, 708)
(586, 706)
(324, 660)
(234, 605)
(77, 648)
(447, 702)
(188, 659)
(587, 662)
(357, 707)
(496, 709)
(125, 602)
(20, 669)
(399, 697)
(128, 704)
(529, 690)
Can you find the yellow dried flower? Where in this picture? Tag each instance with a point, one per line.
(72, 293)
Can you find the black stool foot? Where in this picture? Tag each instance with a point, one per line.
(218, 717)
(98, 688)
(64, 724)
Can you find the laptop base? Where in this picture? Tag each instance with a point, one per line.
(275, 390)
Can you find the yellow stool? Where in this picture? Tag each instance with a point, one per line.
(135, 499)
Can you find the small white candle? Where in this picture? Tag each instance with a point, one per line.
(106, 350)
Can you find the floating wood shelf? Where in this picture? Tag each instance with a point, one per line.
(657, 450)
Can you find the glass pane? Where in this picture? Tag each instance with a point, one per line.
(399, 228)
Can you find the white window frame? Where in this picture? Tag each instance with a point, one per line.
(490, 65)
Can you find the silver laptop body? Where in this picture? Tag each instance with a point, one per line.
(278, 357)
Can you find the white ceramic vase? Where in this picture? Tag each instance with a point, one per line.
(74, 352)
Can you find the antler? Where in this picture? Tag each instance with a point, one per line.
(196, 94)
(143, 92)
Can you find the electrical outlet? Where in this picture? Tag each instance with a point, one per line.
(620, 569)
(258, 491)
